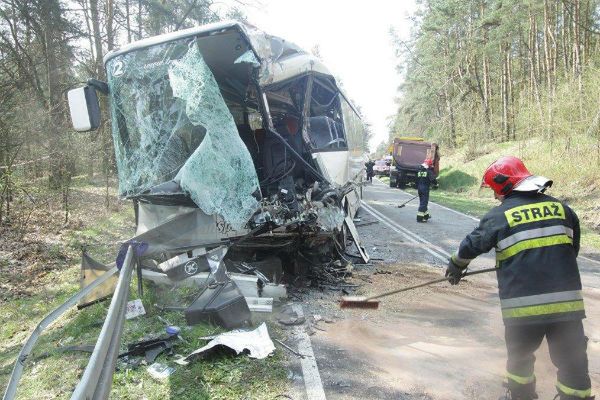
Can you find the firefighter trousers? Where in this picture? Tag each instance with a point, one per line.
(567, 344)
(422, 213)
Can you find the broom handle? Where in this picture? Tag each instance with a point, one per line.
(409, 200)
(479, 271)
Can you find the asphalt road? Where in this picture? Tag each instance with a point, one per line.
(439, 342)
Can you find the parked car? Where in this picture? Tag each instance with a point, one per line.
(381, 167)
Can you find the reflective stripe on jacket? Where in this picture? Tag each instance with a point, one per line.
(424, 177)
(536, 238)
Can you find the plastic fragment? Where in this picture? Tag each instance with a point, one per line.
(160, 371)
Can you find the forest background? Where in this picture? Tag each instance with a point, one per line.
(486, 78)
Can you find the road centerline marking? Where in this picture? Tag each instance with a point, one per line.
(439, 253)
(379, 183)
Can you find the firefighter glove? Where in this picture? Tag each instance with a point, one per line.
(454, 273)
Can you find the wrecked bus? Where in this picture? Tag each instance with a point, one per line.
(223, 133)
(241, 155)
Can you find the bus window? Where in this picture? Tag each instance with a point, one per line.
(325, 124)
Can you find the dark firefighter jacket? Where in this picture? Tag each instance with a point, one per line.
(536, 238)
(424, 178)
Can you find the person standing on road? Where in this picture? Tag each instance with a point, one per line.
(536, 238)
(425, 178)
(369, 166)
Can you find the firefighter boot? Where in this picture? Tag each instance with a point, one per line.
(427, 216)
(519, 392)
(562, 396)
(421, 218)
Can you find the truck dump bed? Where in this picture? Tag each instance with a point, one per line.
(408, 154)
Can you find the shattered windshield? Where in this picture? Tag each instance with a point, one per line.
(170, 122)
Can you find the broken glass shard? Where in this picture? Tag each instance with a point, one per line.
(249, 58)
(171, 123)
(219, 176)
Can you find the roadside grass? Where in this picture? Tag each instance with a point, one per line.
(572, 162)
(51, 374)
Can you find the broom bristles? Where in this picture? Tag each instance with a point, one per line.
(359, 302)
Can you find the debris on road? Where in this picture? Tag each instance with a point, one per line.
(160, 371)
(277, 292)
(288, 348)
(366, 223)
(289, 317)
(382, 272)
(150, 349)
(260, 304)
(220, 303)
(256, 343)
(135, 308)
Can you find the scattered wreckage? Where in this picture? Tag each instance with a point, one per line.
(241, 156)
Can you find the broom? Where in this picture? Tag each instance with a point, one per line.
(406, 202)
(372, 303)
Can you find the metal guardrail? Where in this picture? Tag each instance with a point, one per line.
(97, 379)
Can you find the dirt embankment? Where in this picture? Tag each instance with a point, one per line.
(35, 239)
(572, 163)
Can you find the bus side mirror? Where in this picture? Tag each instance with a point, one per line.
(84, 108)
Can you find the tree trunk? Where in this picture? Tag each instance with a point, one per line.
(504, 90)
(577, 54)
(110, 33)
(139, 19)
(576, 44)
(566, 26)
(51, 9)
(451, 117)
(533, 63)
(511, 97)
(547, 49)
(90, 36)
(128, 20)
(97, 39)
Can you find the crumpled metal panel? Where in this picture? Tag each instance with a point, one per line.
(330, 218)
(220, 175)
(272, 51)
(268, 55)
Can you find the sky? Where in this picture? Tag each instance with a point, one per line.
(354, 42)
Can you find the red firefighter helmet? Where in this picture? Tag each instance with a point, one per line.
(428, 163)
(505, 174)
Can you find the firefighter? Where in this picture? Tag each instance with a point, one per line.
(425, 177)
(536, 238)
(369, 166)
